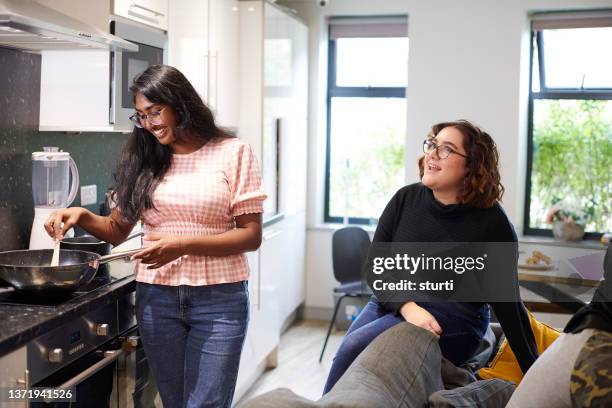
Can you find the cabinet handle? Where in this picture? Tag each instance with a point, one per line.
(212, 87)
(156, 13)
(271, 235)
(206, 78)
(26, 383)
(109, 357)
(259, 272)
(217, 81)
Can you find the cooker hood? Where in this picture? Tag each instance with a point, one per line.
(30, 26)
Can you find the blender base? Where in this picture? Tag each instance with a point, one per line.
(39, 239)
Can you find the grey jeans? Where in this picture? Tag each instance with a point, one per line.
(402, 368)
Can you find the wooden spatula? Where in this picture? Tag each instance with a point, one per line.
(56, 253)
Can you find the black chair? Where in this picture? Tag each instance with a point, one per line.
(349, 252)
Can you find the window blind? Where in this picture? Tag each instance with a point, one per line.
(351, 27)
(571, 19)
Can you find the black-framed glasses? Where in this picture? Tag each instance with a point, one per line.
(442, 151)
(154, 118)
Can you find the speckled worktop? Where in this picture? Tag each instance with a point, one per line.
(19, 323)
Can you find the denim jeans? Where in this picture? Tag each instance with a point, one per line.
(193, 337)
(463, 327)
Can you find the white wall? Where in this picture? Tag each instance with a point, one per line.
(467, 59)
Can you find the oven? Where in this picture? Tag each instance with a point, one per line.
(125, 65)
(98, 356)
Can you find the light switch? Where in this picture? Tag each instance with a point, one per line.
(89, 194)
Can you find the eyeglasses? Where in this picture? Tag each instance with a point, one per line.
(442, 151)
(153, 118)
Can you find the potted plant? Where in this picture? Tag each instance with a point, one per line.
(568, 219)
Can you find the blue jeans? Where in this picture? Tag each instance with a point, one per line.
(463, 327)
(192, 337)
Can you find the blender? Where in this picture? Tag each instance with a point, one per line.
(51, 190)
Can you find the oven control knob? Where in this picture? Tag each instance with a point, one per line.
(56, 355)
(102, 329)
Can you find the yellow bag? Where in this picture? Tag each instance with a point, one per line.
(505, 365)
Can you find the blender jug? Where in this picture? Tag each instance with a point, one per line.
(51, 190)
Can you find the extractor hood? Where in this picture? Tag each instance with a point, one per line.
(30, 26)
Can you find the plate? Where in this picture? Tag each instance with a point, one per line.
(539, 267)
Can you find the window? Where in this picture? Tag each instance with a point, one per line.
(366, 115)
(570, 120)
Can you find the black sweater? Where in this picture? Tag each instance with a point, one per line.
(413, 215)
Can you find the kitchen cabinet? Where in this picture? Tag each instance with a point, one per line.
(263, 334)
(93, 12)
(188, 41)
(68, 78)
(13, 374)
(292, 278)
(273, 119)
(273, 101)
(203, 44)
(74, 91)
(149, 12)
(223, 61)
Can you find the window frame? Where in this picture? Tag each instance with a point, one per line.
(334, 91)
(550, 94)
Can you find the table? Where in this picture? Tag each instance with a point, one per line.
(563, 288)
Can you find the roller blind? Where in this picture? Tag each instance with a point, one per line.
(571, 19)
(351, 27)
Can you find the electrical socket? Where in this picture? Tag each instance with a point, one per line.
(89, 194)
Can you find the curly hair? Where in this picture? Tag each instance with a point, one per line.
(482, 186)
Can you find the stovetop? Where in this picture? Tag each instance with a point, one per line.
(103, 277)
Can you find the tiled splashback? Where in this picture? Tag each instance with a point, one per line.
(94, 153)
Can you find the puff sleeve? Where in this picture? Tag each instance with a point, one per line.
(244, 179)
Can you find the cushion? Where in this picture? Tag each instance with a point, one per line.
(505, 366)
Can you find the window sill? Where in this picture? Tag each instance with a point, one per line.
(335, 226)
(584, 244)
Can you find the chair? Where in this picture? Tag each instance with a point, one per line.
(349, 252)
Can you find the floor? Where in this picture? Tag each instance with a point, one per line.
(298, 361)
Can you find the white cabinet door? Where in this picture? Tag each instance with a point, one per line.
(263, 333)
(285, 107)
(249, 360)
(188, 41)
(66, 77)
(223, 47)
(150, 12)
(94, 12)
(296, 286)
(291, 280)
(13, 374)
(266, 313)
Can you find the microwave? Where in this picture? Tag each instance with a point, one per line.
(126, 65)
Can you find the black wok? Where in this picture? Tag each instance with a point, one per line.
(30, 271)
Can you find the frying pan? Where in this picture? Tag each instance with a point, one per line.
(30, 271)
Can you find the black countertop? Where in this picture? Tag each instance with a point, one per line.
(20, 323)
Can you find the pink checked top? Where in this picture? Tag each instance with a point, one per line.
(201, 194)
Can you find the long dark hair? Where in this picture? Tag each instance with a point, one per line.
(143, 160)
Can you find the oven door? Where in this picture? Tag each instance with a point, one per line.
(114, 376)
(135, 386)
(152, 44)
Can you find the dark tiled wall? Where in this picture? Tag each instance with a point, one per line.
(94, 153)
